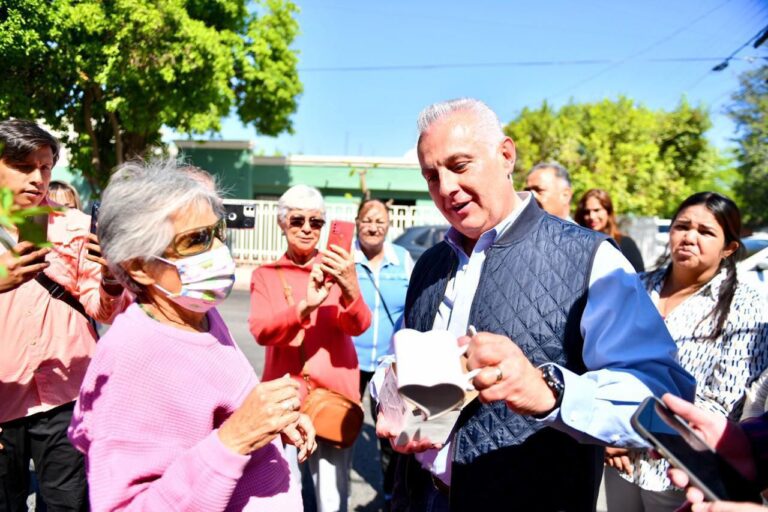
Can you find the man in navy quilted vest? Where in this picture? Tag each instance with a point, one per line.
(568, 341)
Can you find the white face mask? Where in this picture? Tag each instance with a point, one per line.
(206, 279)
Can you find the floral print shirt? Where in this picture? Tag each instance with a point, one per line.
(723, 367)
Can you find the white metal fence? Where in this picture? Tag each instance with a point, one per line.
(265, 242)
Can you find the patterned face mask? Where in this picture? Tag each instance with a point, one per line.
(206, 279)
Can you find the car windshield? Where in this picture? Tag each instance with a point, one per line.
(753, 245)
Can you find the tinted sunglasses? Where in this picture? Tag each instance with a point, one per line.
(297, 221)
(199, 240)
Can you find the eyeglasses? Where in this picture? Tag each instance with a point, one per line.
(199, 240)
(297, 221)
(379, 223)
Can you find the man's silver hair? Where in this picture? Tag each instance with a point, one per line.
(299, 197)
(487, 118)
(137, 209)
(560, 171)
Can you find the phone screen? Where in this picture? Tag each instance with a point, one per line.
(686, 450)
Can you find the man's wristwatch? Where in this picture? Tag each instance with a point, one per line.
(554, 380)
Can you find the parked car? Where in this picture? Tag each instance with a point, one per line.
(418, 239)
(752, 269)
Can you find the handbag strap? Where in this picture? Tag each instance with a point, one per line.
(383, 302)
(288, 294)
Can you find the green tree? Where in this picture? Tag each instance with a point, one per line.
(110, 74)
(750, 113)
(647, 160)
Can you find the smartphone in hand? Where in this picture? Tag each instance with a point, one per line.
(671, 436)
(94, 223)
(341, 233)
(34, 229)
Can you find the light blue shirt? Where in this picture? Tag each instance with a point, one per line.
(391, 278)
(627, 350)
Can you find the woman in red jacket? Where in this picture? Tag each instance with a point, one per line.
(304, 309)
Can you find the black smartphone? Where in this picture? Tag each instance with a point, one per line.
(94, 222)
(671, 436)
(34, 229)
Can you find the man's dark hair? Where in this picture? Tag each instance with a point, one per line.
(560, 171)
(20, 137)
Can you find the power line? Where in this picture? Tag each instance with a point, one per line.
(758, 38)
(521, 63)
(647, 48)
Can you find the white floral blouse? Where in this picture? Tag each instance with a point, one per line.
(724, 367)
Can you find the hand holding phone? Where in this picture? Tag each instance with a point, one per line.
(339, 266)
(674, 440)
(22, 263)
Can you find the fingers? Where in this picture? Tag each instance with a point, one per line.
(678, 477)
(96, 259)
(24, 247)
(486, 349)
(489, 376)
(316, 274)
(308, 435)
(625, 465)
(685, 409)
(384, 429)
(35, 257)
(334, 251)
(726, 506)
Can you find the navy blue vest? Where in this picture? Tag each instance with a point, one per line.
(533, 289)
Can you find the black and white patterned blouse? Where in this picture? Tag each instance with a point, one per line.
(723, 367)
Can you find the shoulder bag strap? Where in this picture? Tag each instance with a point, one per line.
(288, 294)
(59, 292)
(383, 302)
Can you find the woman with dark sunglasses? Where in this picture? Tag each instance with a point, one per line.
(305, 307)
(171, 414)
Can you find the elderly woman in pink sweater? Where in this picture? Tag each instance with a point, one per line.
(171, 415)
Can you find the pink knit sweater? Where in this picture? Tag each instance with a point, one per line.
(147, 418)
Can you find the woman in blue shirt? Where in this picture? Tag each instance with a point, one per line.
(383, 270)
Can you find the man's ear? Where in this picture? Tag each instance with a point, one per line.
(509, 153)
(136, 269)
(568, 194)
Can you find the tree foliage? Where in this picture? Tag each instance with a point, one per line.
(750, 113)
(111, 74)
(647, 160)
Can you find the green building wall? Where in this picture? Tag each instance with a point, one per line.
(244, 175)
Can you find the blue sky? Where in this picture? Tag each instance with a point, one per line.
(368, 68)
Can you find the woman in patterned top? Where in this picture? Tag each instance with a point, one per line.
(721, 330)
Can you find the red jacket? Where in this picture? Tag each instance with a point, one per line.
(330, 353)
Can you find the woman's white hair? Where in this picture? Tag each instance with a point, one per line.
(299, 197)
(487, 120)
(137, 209)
